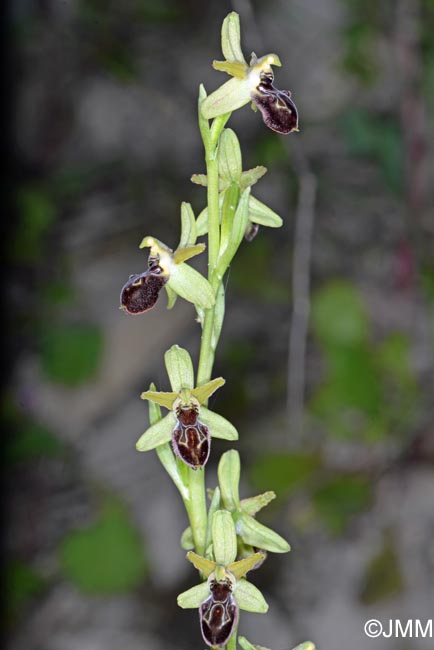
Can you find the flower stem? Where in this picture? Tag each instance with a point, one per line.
(196, 504)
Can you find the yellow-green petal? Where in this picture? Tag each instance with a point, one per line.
(252, 505)
(201, 563)
(240, 568)
(187, 252)
(161, 398)
(203, 393)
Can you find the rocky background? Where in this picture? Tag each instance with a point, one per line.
(104, 141)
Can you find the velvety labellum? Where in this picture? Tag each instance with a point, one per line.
(277, 108)
(140, 293)
(191, 439)
(218, 614)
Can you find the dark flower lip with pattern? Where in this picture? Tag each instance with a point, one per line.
(218, 614)
(141, 292)
(191, 439)
(277, 108)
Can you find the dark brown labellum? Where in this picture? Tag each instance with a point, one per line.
(218, 614)
(141, 291)
(191, 439)
(251, 232)
(278, 110)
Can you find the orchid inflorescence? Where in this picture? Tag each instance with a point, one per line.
(224, 540)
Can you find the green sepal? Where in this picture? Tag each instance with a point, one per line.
(161, 398)
(249, 597)
(231, 38)
(236, 69)
(191, 285)
(246, 645)
(188, 226)
(172, 296)
(229, 157)
(213, 507)
(232, 95)
(260, 536)
(179, 368)
(228, 211)
(187, 541)
(201, 563)
(218, 425)
(224, 538)
(240, 568)
(252, 176)
(186, 253)
(252, 505)
(263, 215)
(203, 393)
(194, 597)
(229, 478)
(307, 645)
(157, 434)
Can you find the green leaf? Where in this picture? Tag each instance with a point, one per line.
(191, 285)
(339, 316)
(341, 498)
(157, 434)
(30, 442)
(232, 95)
(284, 473)
(250, 598)
(224, 538)
(231, 38)
(229, 157)
(105, 558)
(263, 215)
(71, 355)
(21, 583)
(260, 536)
(179, 367)
(229, 477)
(188, 226)
(383, 578)
(194, 597)
(219, 427)
(252, 505)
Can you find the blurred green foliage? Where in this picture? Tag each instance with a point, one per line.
(21, 584)
(369, 390)
(36, 212)
(378, 138)
(70, 354)
(108, 557)
(383, 578)
(30, 442)
(283, 472)
(338, 499)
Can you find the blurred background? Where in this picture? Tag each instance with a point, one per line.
(327, 347)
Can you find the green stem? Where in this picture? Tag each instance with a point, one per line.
(196, 505)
